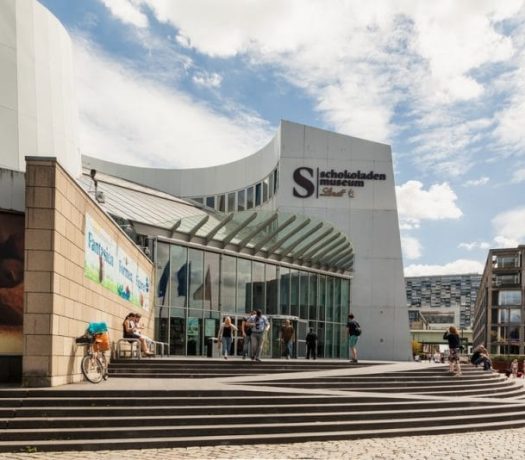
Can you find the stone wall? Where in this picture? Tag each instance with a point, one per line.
(59, 300)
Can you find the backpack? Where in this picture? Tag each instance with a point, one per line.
(357, 331)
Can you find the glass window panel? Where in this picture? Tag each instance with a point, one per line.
(337, 341)
(328, 341)
(275, 180)
(250, 199)
(329, 298)
(312, 296)
(515, 315)
(320, 339)
(210, 202)
(244, 285)
(509, 298)
(228, 283)
(345, 300)
(258, 287)
(231, 202)
(211, 280)
(266, 184)
(221, 205)
(284, 291)
(294, 293)
(337, 301)
(258, 194)
(199, 199)
(494, 316)
(270, 190)
(503, 316)
(196, 277)
(177, 332)
(241, 205)
(303, 311)
(179, 276)
(271, 289)
(513, 333)
(322, 297)
(194, 332)
(163, 273)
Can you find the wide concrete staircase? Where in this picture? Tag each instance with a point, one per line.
(247, 403)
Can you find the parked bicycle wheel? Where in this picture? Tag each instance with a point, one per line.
(92, 368)
(104, 362)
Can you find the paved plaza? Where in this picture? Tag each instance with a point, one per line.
(503, 444)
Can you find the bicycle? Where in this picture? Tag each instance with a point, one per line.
(94, 364)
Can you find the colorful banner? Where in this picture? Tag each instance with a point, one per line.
(109, 265)
(11, 283)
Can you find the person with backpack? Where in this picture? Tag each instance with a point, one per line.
(454, 344)
(354, 331)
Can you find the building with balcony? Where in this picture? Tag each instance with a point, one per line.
(499, 317)
(436, 302)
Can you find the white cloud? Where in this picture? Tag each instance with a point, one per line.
(127, 11)
(509, 227)
(411, 247)
(518, 176)
(128, 117)
(477, 182)
(415, 204)
(474, 245)
(457, 267)
(208, 80)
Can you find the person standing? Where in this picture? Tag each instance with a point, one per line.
(287, 339)
(246, 331)
(226, 335)
(259, 325)
(311, 344)
(454, 343)
(354, 331)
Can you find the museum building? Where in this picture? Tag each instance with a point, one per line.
(305, 229)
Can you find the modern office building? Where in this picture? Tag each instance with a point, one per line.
(305, 229)
(499, 312)
(442, 301)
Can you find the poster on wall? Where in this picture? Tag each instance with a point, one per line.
(108, 264)
(125, 275)
(11, 282)
(142, 288)
(100, 256)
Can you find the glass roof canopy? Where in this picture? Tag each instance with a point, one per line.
(277, 235)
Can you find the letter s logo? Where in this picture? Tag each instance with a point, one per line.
(301, 179)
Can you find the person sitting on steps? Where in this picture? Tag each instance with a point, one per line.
(132, 330)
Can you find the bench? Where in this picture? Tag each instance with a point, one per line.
(127, 347)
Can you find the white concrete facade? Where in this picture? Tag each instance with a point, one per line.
(38, 114)
(366, 211)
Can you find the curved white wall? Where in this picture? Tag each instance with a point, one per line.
(192, 182)
(38, 114)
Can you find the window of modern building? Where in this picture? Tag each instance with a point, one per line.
(275, 180)
(196, 278)
(244, 285)
(322, 297)
(507, 261)
(303, 295)
(199, 200)
(312, 297)
(294, 293)
(284, 285)
(250, 202)
(228, 283)
(266, 185)
(509, 297)
(329, 298)
(211, 280)
(270, 183)
(345, 300)
(231, 202)
(241, 200)
(258, 287)
(221, 203)
(163, 273)
(179, 276)
(272, 289)
(210, 202)
(507, 280)
(258, 194)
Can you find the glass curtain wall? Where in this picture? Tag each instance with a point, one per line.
(195, 288)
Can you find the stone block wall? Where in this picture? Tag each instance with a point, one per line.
(59, 300)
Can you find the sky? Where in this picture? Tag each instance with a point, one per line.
(191, 83)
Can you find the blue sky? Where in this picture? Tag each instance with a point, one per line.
(188, 83)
